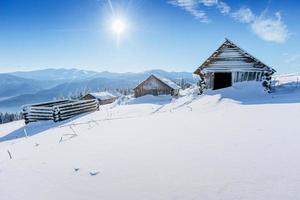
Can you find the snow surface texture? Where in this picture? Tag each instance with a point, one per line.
(234, 143)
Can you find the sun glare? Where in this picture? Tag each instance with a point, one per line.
(118, 26)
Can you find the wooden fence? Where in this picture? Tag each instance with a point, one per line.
(58, 110)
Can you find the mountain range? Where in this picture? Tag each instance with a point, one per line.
(19, 88)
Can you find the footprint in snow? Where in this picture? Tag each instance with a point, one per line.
(94, 173)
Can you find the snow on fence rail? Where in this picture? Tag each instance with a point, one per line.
(58, 110)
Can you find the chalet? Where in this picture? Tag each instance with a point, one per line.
(155, 85)
(230, 64)
(102, 97)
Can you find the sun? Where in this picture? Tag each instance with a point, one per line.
(118, 26)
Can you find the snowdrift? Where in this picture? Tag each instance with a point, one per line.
(235, 143)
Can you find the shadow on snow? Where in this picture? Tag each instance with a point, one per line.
(150, 99)
(252, 93)
(36, 128)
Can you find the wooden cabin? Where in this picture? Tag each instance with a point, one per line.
(102, 97)
(230, 64)
(155, 85)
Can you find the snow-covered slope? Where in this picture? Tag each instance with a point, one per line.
(234, 143)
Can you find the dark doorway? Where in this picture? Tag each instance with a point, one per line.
(222, 80)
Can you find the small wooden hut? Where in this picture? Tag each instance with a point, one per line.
(102, 97)
(155, 85)
(230, 64)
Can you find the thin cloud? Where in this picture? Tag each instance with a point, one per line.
(270, 29)
(209, 2)
(267, 28)
(191, 6)
(244, 15)
(195, 7)
(223, 7)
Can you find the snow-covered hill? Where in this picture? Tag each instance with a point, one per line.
(234, 143)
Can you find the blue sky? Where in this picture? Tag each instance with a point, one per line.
(175, 35)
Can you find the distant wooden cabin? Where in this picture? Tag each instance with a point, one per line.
(154, 85)
(187, 85)
(230, 64)
(102, 97)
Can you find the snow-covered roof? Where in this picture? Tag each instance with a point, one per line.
(104, 95)
(166, 81)
(230, 56)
